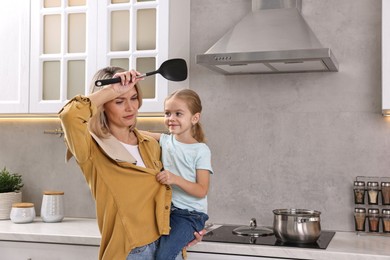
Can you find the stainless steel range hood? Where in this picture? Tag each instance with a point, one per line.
(273, 38)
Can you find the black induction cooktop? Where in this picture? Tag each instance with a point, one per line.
(224, 234)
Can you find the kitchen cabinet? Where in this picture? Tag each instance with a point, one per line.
(47, 251)
(385, 57)
(71, 40)
(202, 256)
(14, 53)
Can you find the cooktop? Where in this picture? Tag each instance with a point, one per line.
(224, 234)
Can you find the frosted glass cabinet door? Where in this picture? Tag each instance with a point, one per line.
(134, 35)
(72, 39)
(63, 52)
(14, 53)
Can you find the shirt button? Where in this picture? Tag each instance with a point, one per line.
(168, 188)
(166, 207)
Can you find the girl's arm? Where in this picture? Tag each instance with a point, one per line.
(198, 189)
(153, 135)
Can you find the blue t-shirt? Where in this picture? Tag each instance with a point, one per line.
(183, 160)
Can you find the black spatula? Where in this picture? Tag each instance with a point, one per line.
(173, 69)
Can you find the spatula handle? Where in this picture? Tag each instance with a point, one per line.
(103, 82)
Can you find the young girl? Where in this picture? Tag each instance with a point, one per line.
(187, 168)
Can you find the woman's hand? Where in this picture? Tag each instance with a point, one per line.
(128, 80)
(198, 237)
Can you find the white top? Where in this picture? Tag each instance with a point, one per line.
(133, 150)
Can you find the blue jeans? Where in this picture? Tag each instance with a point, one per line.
(183, 225)
(147, 252)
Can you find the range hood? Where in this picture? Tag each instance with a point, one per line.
(273, 38)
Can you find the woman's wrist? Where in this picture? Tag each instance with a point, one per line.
(102, 96)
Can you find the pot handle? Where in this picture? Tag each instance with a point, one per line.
(309, 219)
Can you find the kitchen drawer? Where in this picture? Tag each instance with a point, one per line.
(44, 251)
(203, 256)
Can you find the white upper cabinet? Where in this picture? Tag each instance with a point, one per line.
(386, 57)
(63, 51)
(134, 34)
(71, 39)
(14, 53)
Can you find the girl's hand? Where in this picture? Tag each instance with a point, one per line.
(166, 177)
(128, 80)
(198, 237)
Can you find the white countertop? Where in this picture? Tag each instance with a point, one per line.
(81, 231)
(78, 231)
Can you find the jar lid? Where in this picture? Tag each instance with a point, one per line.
(372, 183)
(53, 192)
(360, 210)
(23, 205)
(359, 183)
(385, 184)
(373, 211)
(386, 212)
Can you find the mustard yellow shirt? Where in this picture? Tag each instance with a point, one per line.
(132, 208)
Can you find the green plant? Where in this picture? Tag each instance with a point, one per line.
(10, 182)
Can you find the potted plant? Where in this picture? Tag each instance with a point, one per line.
(10, 185)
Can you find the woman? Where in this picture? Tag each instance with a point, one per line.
(120, 165)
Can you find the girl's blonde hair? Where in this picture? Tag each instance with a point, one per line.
(98, 123)
(194, 104)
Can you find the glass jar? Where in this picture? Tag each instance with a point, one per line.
(360, 219)
(52, 209)
(22, 212)
(385, 193)
(359, 191)
(373, 220)
(386, 220)
(373, 191)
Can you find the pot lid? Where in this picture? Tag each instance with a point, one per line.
(253, 230)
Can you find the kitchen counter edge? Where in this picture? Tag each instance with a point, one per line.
(84, 231)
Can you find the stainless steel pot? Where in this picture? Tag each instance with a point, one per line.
(297, 225)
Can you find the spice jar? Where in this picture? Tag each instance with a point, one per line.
(372, 190)
(385, 193)
(22, 212)
(386, 220)
(373, 220)
(359, 191)
(360, 219)
(52, 209)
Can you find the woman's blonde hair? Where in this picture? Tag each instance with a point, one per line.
(98, 123)
(194, 104)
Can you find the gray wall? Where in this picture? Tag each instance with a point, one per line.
(294, 140)
(278, 141)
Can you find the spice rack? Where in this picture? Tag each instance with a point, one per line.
(372, 205)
